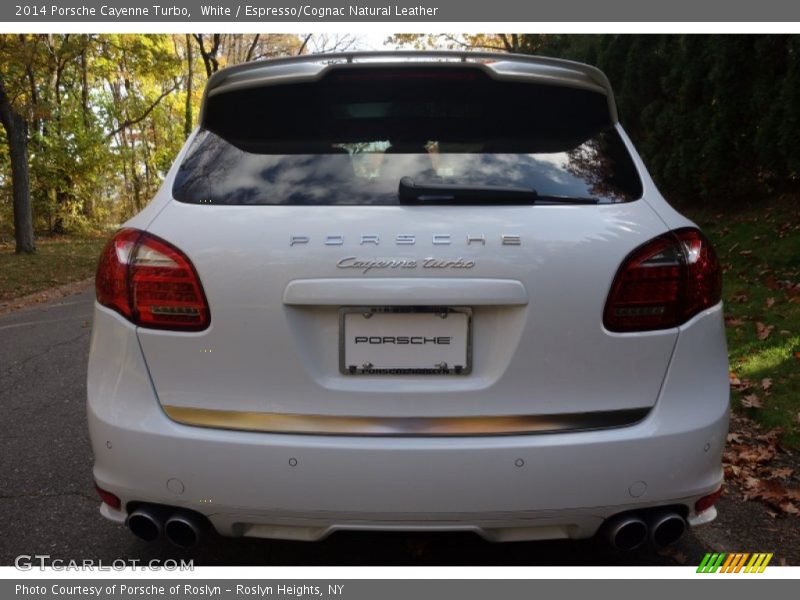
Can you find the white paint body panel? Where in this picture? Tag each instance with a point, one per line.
(284, 357)
(568, 484)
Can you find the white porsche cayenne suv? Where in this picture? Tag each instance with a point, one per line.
(409, 291)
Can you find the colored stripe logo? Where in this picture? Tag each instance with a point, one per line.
(736, 562)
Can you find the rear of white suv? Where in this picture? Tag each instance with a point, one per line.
(436, 293)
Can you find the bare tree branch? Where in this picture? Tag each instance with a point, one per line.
(209, 56)
(252, 48)
(128, 122)
(303, 45)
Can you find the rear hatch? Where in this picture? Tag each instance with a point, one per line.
(401, 246)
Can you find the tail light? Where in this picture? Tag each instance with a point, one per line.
(664, 283)
(151, 283)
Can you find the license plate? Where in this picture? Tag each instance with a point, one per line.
(405, 341)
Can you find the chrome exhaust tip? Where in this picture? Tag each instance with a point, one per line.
(145, 523)
(184, 529)
(666, 528)
(627, 532)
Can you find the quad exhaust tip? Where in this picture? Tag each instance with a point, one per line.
(666, 528)
(183, 528)
(145, 523)
(627, 533)
(631, 531)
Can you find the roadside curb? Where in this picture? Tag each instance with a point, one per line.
(62, 291)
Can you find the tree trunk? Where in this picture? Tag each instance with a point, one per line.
(57, 196)
(17, 137)
(88, 203)
(85, 88)
(187, 117)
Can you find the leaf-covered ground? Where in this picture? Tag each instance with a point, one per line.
(57, 261)
(758, 467)
(759, 249)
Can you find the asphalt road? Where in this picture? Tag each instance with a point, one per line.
(48, 504)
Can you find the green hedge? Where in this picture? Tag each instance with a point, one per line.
(716, 117)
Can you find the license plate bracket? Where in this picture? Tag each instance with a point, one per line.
(405, 340)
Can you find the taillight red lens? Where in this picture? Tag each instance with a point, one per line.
(111, 283)
(151, 282)
(664, 283)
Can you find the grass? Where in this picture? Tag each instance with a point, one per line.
(759, 249)
(57, 261)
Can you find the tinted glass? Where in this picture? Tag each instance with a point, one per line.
(351, 137)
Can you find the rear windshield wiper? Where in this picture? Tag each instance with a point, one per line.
(411, 192)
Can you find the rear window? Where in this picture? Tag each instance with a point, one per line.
(350, 138)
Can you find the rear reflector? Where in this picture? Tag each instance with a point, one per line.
(151, 283)
(664, 283)
(108, 498)
(707, 502)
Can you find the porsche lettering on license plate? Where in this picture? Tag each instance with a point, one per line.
(405, 341)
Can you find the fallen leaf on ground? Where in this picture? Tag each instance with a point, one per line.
(676, 555)
(766, 383)
(763, 331)
(781, 473)
(775, 494)
(751, 455)
(771, 436)
(768, 490)
(751, 401)
(732, 471)
(751, 482)
(740, 385)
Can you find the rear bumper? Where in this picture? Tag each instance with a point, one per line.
(558, 485)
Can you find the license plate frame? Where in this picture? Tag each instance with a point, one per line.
(389, 313)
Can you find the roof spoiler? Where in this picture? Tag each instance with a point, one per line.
(505, 66)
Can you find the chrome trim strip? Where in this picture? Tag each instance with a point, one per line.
(402, 426)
